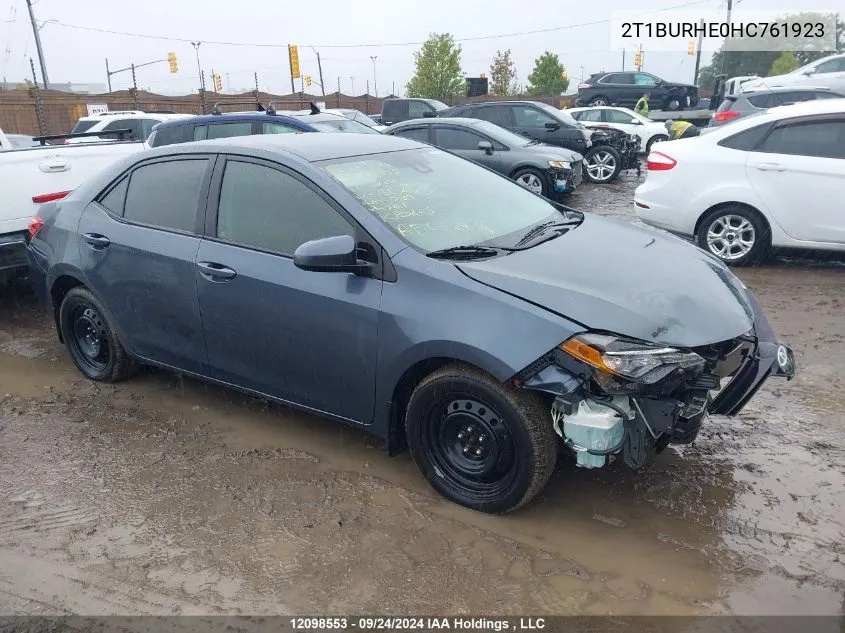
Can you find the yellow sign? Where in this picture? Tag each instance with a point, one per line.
(218, 83)
(171, 59)
(691, 48)
(294, 61)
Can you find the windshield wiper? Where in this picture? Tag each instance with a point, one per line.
(538, 230)
(464, 252)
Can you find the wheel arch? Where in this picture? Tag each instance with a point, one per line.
(523, 166)
(61, 285)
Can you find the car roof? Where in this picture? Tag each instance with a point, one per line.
(777, 113)
(457, 120)
(766, 89)
(233, 117)
(316, 118)
(309, 147)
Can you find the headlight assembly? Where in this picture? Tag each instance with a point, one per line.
(559, 164)
(618, 357)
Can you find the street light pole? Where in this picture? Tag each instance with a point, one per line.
(352, 80)
(375, 85)
(35, 31)
(196, 46)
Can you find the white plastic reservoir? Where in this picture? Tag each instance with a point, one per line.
(595, 427)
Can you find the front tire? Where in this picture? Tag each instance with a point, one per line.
(660, 138)
(602, 164)
(532, 180)
(672, 104)
(480, 444)
(735, 234)
(90, 338)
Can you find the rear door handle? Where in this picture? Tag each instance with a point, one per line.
(216, 272)
(96, 240)
(50, 166)
(770, 167)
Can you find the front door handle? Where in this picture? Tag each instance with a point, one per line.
(96, 240)
(770, 167)
(216, 272)
(51, 166)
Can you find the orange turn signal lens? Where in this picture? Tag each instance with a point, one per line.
(586, 353)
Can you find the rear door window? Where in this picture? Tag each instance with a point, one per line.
(644, 79)
(393, 109)
(588, 115)
(498, 114)
(820, 139)
(415, 133)
(228, 130)
(171, 135)
(166, 194)
(278, 128)
(455, 139)
(746, 140)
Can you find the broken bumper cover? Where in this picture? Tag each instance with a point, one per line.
(769, 358)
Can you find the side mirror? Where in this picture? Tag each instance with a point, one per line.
(809, 71)
(487, 146)
(552, 126)
(330, 255)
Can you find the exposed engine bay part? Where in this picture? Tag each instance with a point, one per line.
(595, 429)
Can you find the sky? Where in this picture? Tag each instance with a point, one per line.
(346, 33)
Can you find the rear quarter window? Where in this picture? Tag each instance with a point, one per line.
(395, 109)
(726, 105)
(172, 135)
(747, 140)
(82, 126)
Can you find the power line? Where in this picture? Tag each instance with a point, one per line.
(382, 45)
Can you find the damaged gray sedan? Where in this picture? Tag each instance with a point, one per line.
(397, 288)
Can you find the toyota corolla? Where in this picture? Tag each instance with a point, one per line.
(355, 277)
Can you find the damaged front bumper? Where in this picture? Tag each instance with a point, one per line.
(601, 420)
(566, 180)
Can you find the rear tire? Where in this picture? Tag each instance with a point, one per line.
(533, 180)
(735, 234)
(602, 164)
(480, 444)
(600, 101)
(90, 338)
(672, 104)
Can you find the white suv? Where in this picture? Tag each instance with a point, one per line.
(140, 124)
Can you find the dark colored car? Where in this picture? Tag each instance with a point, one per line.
(750, 102)
(225, 125)
(626, 88)
(402, 290)
(544, 169)
(606, 152)
(398, 110)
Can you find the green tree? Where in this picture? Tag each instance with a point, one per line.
(503, 74)
(438, 72)
(547, 78)
(786, 62)
(760, 62)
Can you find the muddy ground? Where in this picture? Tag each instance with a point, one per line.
(167, 496)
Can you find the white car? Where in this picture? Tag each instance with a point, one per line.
(628, 121)
(140, 124)
(828, 72)
(776, 179)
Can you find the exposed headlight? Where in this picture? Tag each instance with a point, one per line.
(638, 361)
(560, 164)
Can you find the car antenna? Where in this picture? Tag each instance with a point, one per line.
(314, 108)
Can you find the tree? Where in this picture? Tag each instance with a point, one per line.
(547, 78)
(786, 62)
(743, 62)
(438, 72)
(503, 74)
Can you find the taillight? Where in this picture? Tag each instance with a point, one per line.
(35, 225)
(725, 116)
(49, 197)
(658, 161)
(584, 86)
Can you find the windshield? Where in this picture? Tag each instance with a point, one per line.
(563, 115)
(435, 200)
(342, 125)
(501, 134)
(82, 126)
(437, 105)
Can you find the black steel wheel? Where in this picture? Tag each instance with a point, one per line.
(480, 444)
(90, 339)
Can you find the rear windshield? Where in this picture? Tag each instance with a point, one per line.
(82, 126)
(726, 104)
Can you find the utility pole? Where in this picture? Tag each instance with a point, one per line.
(38, 46)
(352, 79)
(375, 83)
(698, 52)
(108, 73)
(727, 40)
(196, 46)
(39, 104)
(320, 67)
(228, 83)
(256, 83)
(623, 59)
(134, 90)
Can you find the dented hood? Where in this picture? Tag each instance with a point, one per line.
(611, 276)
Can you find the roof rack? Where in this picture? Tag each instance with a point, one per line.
(271, 108)
(216, 108)
(56, 137)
